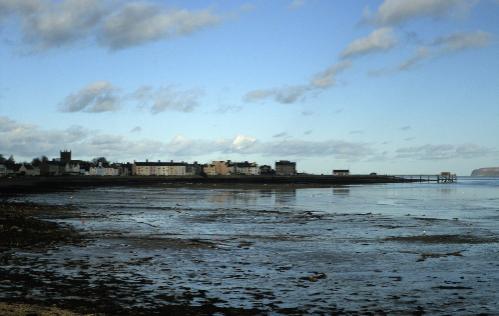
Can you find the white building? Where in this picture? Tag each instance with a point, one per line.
(72, 168)
(3, 171)
(246, 168)
(101, 170)
(28, 170)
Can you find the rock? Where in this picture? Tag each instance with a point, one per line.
(314, 277)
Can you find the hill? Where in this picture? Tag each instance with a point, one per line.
(486, 172)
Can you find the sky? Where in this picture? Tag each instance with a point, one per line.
(391, 86)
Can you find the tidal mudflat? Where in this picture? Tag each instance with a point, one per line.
(396, 249)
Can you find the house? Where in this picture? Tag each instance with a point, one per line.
(193, 169)
(124, 169)
(285, 168)
(210, 170)
(28, 170)
(223, 168)
(266, 170)
(159, 168)
(3, 171)
(341, 172)
(85, 168)
(245, 168)
(103, 170)
(71, 167)
(51, 168)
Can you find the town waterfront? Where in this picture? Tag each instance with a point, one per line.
(394, 248)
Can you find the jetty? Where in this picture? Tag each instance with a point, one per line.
(443, 177)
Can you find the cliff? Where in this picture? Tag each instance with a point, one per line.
(486, 172)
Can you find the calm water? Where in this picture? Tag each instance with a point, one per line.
(316, 249)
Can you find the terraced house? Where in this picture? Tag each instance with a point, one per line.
(159, 168)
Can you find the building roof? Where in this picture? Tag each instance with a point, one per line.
(244, 164)
(159, 164)
(285, 162)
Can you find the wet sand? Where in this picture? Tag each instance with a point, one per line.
(161, 251)
(22, 232)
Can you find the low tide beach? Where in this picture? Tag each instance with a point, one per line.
(401, 248)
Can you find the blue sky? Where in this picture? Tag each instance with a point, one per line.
(389, 86)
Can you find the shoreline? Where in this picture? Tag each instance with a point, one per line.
(24, 228)
(20, 185)
(112, 271)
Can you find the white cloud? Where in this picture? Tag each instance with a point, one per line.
(58, 24)
(296, 4)
(441, 46)
(172, 99)
(18, 6)
(379, 40)
(445, 151)
(30, 140)
(291, 94)
(99, 96)
(140, 22)
(463, 40)
(421, 54)
(280, 135)
(284, 95)
(103, 96)
(222, 109)
(242, 142)
(47, 24)
(392, 12)
(327, 78)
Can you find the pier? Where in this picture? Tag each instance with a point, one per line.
(443, 177)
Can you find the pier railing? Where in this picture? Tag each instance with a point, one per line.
(439, 178)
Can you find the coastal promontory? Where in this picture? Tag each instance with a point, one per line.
(486, 172)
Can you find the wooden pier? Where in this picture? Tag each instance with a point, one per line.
(443, 177)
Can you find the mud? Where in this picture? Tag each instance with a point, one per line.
(218, 251)
(19, 227)
(445, 239)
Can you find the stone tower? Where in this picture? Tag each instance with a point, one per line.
(66, 155)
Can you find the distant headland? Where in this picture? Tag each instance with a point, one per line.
(486, 172)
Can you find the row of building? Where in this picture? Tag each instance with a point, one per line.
(65, 165)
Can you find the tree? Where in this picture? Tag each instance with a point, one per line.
(38, 161)
(2, 159)
(102, 160)
(10, 163)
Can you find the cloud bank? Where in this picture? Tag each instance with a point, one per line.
(47, 24)
(291, 94)
(379, 40)
(30, 140)
(439, 47)
(97, 97)
(103, 96)
(393, 12)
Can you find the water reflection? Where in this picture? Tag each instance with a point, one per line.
(341, 191)
(445, 189)
(285, 196)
